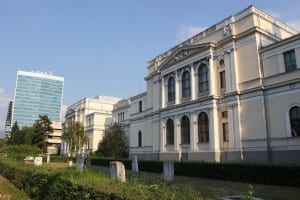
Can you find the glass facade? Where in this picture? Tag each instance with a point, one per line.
(37, 94)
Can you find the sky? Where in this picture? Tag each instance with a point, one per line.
(101, 47)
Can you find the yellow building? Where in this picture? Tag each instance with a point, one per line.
(229, 93)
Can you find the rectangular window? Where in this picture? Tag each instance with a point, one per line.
(140, 106)
(224, 114)
(290, 61)
(223, 80)
(225, 132)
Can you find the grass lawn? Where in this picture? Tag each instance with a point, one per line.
(215, 189)
(9, 192)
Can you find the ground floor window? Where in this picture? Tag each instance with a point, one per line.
(295, 121)
(225, 132)
(170, 132)
(140, 139)
(185, 130)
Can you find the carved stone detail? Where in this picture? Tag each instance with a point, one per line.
(181, 54)
(227, 30)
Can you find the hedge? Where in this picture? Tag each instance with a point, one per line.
(244, 172)
(44, 183)
(144, 165)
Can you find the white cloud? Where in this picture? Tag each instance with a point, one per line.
(295, 24)
(184, 32)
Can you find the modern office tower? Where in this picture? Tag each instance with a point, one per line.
(37, 93)
(8, 119)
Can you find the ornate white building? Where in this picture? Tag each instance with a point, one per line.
(121, 112)
(95, 114)
(229, 93)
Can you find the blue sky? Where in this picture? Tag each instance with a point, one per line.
(101, 47)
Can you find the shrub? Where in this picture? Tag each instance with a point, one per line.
(45, 183)
(20, 151)
(55, 158)
(245, 172)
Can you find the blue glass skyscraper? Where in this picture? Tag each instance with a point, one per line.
(37, 93)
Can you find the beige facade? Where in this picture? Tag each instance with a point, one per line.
(121, 113)
(223, 95)
(53, 140)
(95, 114)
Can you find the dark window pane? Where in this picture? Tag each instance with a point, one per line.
(140, 139)
(225, 132)
(203, 128)
(290, 61)
(295, 121)
(170, 132)
(171, 89)
(186, 84)
(185, 130)
(203, 78)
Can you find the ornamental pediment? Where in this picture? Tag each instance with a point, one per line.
(183, 53)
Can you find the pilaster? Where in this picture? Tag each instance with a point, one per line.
(214, 128)
(176, 133)
(193, 125)
(163, 136)
(178, 87)
(193, 83)
(163, 92)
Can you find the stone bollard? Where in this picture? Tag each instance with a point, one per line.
(38, 161)
(168, 171)
(79, 162)
(48, 158)
(135, 164)
(117, 171)
(70, 163)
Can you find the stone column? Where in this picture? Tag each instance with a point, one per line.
(193, 124)
(196, 81)
(230, 127)
(193, 83)
(176, 134)
(177, 87)
(163, 136)
(163, 93)
(212, 75)
(155, 95)
(228, 79)
(214, 128)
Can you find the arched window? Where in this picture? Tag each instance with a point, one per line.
(203, 127)
(185, 130)
(140, 139)
(203, 78)
(170, 132)
(171, 89)
(295, 121)
(186, 84)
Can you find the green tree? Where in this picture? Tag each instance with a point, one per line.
(16, 136)
(114, 142)
(42, 128)
(28, 132)
(73, 134)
